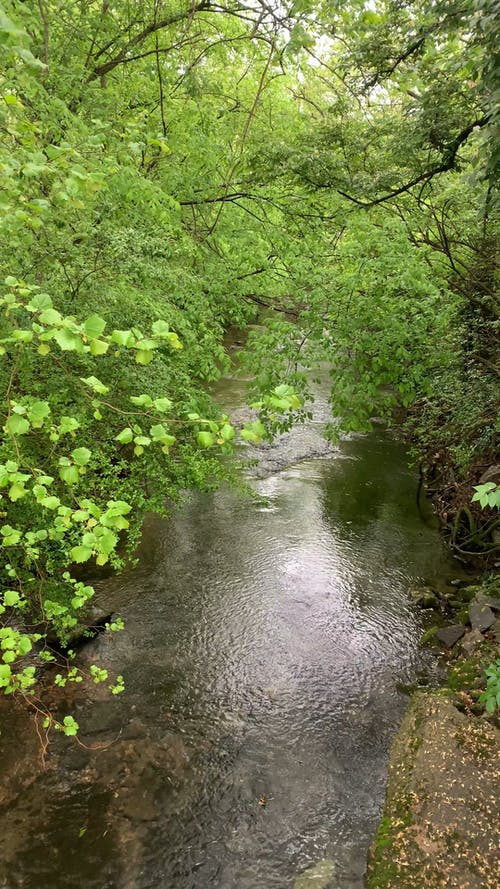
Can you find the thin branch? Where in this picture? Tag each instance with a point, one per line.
(46, 34)
(447, 164)
(152, 28)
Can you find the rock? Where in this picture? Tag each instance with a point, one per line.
(493, 603)
(450, 635)
(481, 616)
(495, 629)
(439, 825)
(472, 641)
(319, 876)
(425, 597)
(490, 474)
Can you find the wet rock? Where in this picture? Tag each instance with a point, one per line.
(450, 635)
(472, 641)
(319, 876)
(481, 616)
(425, 597)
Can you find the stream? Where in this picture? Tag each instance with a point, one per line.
(266, 643)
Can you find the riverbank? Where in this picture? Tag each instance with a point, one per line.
(439, 826)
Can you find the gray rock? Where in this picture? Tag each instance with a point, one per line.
(472, 641)
(450, 635)
(481, 616)
(493, 603)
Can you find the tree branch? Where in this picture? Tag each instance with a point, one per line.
(152, 28)
(448, 163)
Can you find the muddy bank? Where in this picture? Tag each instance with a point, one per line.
(442, 810)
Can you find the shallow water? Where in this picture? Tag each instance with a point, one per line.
(266, 641)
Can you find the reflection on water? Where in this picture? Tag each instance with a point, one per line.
(265, 642)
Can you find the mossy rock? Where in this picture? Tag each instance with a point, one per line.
(429, 637)
(442, 802)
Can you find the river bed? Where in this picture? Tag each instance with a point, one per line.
(267, 640)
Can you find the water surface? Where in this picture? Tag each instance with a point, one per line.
(266, 642)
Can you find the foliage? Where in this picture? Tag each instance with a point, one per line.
(490, 697)
(488, 494)
(324, 169)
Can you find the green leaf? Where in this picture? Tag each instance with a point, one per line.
(81, 456)
(11, 597)
(11, 536)
(141, 400)
(107, 542)
(174, 341)
(226, 432)
(50, 502)
(123, 338)
(125, 436)
(95, 385)
(144, 356)
(24, 645)
(81, 553)
(68, 424)
(70, 726)
(205, 439)
(69, 474)
(50, 317)
(5, 675)
(68, 341)
(38, 412)
(94, 327)
(17, 425)
(23, 336)
(39, 303)
(162, 404)
(17, 491)
(98, 347)
(160, 328)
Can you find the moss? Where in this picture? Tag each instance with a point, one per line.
(463, 616)
(463, 675)
(383, 870)
(429, 636)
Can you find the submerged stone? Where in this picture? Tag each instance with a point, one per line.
(481, 616)
(319, 876)
(450, 635)
(425, 597)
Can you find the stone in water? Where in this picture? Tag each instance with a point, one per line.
(319, 876)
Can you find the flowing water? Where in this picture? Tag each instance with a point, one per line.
(266, 644)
